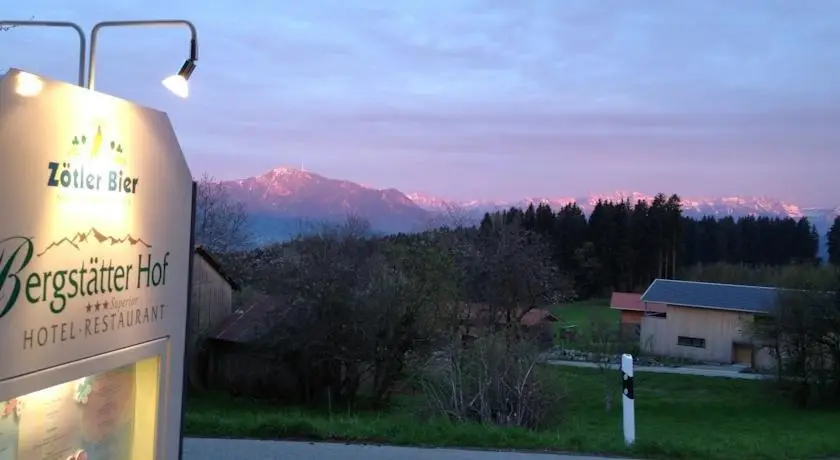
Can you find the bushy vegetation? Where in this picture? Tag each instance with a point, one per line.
(363, 320)
(359, 316)
(495, 381)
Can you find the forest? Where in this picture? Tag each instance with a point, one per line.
(619, 246)
(623, 246)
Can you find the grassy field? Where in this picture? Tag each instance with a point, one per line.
(678, 417)
(581, 314)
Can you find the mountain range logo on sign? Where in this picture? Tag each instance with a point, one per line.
(93, 164)
(90, 236)
(95, 272)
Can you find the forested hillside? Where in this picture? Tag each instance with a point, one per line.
(624, 246)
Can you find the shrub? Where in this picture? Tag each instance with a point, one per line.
(494, 380)
(802, 334)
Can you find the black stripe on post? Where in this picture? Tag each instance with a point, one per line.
(627, 386)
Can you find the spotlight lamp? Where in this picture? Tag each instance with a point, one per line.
(179, 83)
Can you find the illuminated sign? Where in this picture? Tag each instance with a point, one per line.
(103, 283)
(93, 165)
(95, 249)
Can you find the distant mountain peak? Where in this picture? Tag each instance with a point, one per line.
(294, 193)
(285, 171)
(292, 197)
(720, 206)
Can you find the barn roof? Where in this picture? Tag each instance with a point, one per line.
(714, 296)
(632, 301)
(246, 324)
(536, 316)
(214, 264)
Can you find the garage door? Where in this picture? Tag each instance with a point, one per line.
(742, 354)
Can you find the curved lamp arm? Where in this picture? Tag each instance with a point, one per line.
(72, 25)
(151, 23)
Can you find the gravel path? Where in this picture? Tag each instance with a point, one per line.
(241, 449)
(701, 371)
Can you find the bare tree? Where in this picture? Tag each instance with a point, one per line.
(492, 382)
(222, 224)
(603, 341)
(452, 216)
(510, 270)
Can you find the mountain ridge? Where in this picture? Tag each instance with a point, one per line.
(280, 199)
(726, 205)
(305, 195)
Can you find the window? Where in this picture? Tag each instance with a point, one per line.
(109, 415)
(691, 342)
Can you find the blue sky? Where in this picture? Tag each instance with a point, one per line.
(491, 99)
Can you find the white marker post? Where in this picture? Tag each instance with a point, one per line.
(628, 400)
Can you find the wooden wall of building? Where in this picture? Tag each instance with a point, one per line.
(211, 303)
(720, 330)
(239, 369)
(631, 316)
(212, 297)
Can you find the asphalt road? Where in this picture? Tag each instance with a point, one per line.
(241, 449)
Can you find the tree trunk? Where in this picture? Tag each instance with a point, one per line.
(660, 262)
(674, 261)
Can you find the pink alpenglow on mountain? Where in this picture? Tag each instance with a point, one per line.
(283, 195)
(294, 193)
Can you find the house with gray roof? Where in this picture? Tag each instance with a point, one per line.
(707, 322)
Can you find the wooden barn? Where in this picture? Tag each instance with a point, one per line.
(211, 302)
(235, 364)
(707, 322)
(539, 325)
(212, 292)
(632, 311)
(475, 320)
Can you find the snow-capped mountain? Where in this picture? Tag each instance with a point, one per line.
(718, 207)
(821, 218)
(283, 199)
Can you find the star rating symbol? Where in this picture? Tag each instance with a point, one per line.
(105, 305)
(97, 305)
(89, 307)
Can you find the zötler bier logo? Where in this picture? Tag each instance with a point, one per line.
(93, 164)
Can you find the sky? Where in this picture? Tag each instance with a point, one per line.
(483, 99)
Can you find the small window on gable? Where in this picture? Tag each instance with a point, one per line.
(691, 342)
